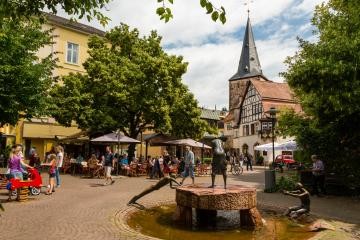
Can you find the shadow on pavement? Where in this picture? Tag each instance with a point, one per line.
(98, 185)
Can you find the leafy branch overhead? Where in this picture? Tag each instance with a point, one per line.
(90, 9)
(24, 77)
(216, 13)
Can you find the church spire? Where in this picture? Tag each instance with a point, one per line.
(249, 64)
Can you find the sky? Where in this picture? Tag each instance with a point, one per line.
(213, 49)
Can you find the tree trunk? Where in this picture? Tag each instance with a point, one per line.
(131, 151)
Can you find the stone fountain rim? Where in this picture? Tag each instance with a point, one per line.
(126, 213)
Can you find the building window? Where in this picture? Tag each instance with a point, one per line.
(252, 129)
(266, 126)
(236, 133)
(246, 130)
(72, 53)
(228, 126)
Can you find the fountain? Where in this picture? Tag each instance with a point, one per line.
(208, 200)
(211, 212)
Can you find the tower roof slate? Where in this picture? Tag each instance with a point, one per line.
(249, 64)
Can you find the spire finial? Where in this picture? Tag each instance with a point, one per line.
(247, 3)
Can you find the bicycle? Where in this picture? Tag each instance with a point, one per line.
(237, 169)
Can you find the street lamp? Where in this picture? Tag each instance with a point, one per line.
(270, 173)
(272, 112)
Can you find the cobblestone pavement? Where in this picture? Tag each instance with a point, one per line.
(83, 209)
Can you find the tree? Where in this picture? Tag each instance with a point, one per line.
(24, 77)
(89, 8)
(16, 9)
(132, 85)
(326, 79)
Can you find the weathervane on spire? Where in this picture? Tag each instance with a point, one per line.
(247, 3)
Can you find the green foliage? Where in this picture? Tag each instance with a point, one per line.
(207, 160)
(6, 152)
(216, 13)
(16, 9)
(284, 183)
(287, 183)
(326, 79)
(132, 85)
(24, 77)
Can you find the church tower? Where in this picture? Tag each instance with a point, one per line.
(249, 68)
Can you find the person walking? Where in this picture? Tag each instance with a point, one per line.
(109, 164)
(189, 160)
(52, 173)
(59, 162)
(318, 173)
(248, 160)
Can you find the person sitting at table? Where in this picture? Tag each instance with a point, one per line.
(124, 163)
(79, 159)
(93, 164)
(124, 160)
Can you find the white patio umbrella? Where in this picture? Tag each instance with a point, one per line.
(188, 142)
(114, 138)
(267, 147)
(288, 146)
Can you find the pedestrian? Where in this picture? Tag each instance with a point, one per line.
(241, 160)
(181, 166)
(157, 167)
(14, 165)
(52, 172)
(189, 161)
(318, 173)
(232, 162)
(109, 164)
(247, 160)
(34, 159)
(59, 162)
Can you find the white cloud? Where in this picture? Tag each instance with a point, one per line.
(212, 64)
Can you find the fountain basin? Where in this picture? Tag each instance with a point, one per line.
(207, 201)
(200, 196)
(157, 222)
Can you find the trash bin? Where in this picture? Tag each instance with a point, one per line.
(270, 182)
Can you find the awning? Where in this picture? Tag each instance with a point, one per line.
(77, 138)
(47, 131)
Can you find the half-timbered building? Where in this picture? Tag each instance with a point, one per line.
(251, 95)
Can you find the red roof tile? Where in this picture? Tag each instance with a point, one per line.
(273, 90)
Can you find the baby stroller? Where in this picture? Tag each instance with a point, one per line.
(34, 183)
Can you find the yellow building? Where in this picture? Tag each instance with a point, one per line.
(70, 41)
(70, 47)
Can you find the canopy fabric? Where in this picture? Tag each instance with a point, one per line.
(188, 142)
(267, 147)
(286, 146)
(289, 146)
(114, 138)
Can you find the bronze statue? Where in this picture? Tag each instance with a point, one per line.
(303, 194)
(218, 164)
(162, 182)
